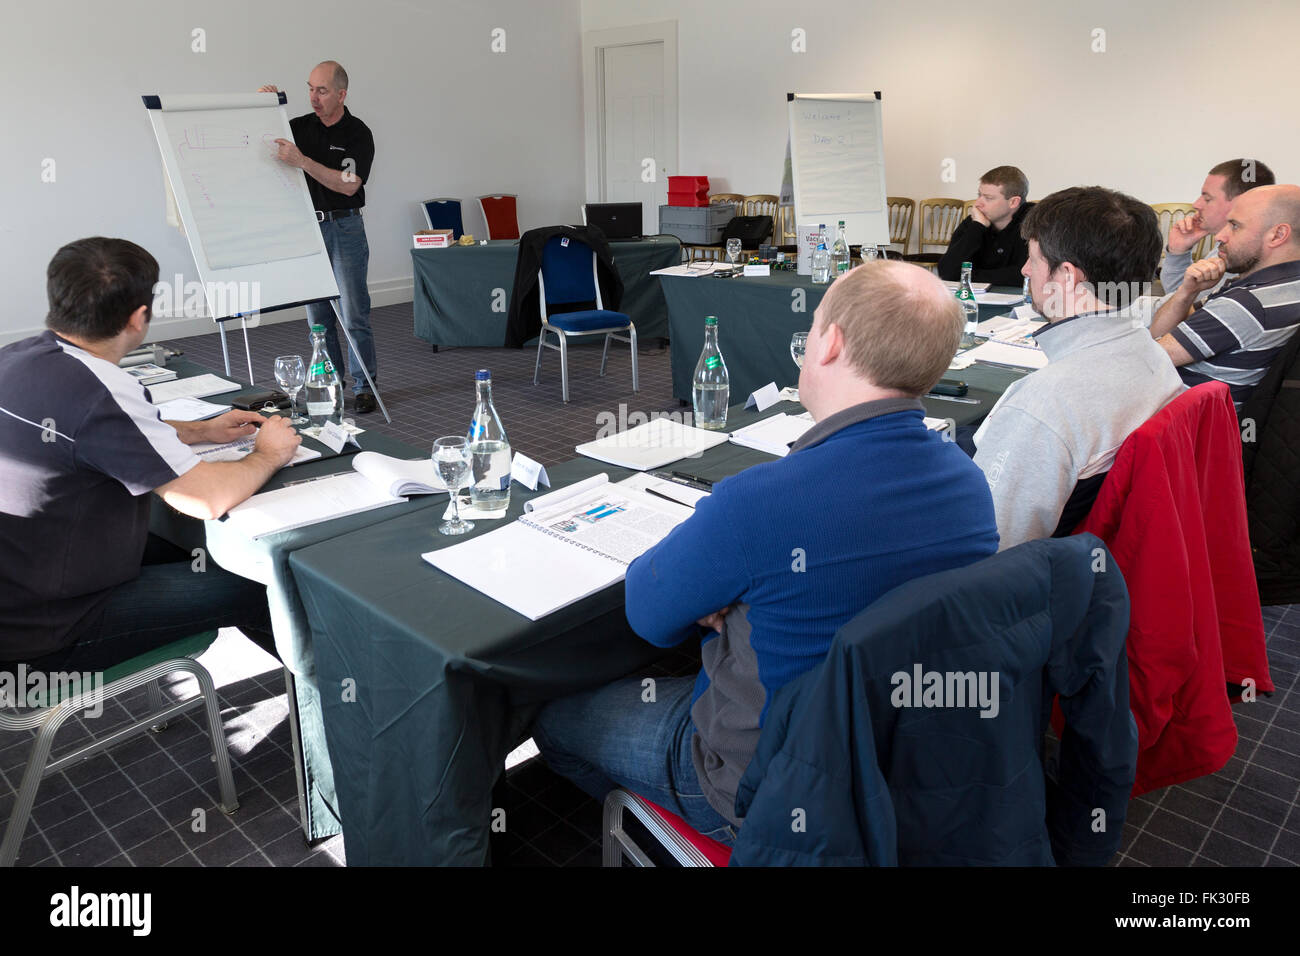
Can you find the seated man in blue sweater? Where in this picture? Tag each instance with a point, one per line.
(784, 553)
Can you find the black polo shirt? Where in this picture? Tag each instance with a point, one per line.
(81, 446)
(349, 138)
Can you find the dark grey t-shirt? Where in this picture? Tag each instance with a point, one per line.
(81, 445)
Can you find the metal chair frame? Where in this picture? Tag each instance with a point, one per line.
(47, 721)
(615, 842)
(562, 336)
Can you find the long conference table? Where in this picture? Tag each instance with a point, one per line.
(462, 293)
(411, 687)
(757, 315)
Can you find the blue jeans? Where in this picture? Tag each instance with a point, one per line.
(345, 241)
(610, 737)
(168, 601)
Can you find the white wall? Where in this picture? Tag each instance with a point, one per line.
(449, 116)
(1182, 85)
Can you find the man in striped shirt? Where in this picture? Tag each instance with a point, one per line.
(1234, 335)
(83, 585)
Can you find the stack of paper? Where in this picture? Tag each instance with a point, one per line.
(774, 435)
(196, 386)
(235, 450)
(308, 502)
(659, 442)
(190, 410)
(550, 558)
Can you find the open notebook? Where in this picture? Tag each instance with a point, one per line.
(567, 545)
(376, 482)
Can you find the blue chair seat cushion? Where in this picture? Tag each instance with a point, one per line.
(589, 320)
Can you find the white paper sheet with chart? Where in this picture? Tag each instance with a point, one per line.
(248, 217)
(837, 155)
(551, 558)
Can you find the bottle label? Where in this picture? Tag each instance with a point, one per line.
(321, 368)
(712, 362)
(320, 408)
(966, 295)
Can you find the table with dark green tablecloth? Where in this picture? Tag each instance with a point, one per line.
(266, 560)
(427, 684)
(757, 315)
(462, 293)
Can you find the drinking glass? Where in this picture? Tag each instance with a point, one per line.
(798, 342)
(451, 457)
(733, 251)
(291, 375)
(870, 254)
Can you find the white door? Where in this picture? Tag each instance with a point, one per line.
(632, 123)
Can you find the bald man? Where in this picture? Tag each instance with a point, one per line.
(771, 564)
(335, 150)
(1235, 334)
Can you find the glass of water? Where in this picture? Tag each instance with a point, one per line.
(798, 343)
(733, 251)
(870, 254)
(451, 457)
(291, 375)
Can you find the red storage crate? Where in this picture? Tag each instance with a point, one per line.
(688, 190)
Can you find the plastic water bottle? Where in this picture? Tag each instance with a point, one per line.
(324, 391)
(821, 265)
(966, 297)
(840, 253)
(1029, 299)
(710, 387)
(489, 451)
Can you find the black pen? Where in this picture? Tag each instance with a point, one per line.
(703, 482)
(651, 491)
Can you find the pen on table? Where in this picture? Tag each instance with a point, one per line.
(704, 482)
(953, 398)
(305, 481)
(651, 491)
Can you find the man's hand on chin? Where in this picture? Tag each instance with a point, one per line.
(978, 216)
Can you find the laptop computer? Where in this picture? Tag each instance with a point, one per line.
(619, 221)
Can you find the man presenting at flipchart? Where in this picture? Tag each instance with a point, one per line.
(335, 150)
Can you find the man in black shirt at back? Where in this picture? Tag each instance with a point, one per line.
(335, 150)
(989, 238)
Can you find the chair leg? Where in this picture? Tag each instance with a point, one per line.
(604, 356)
(157, 701)
(217, 735)
(541, 343)
(564, 367)
(32, 776)
(636, 385)
(610, 848)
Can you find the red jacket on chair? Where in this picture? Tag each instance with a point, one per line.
(1172, 510)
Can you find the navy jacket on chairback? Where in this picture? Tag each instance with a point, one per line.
(919, 741)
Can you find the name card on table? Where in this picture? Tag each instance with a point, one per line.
(528, 472)
(334, 436)
(759, 270)
(764, 398)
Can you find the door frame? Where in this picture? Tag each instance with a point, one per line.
(594, 44)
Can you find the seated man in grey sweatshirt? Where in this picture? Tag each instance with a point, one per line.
(1053, 435)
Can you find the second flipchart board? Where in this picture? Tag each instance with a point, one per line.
(837, 160)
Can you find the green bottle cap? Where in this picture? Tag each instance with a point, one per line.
(318, 328)
(710, 320)
(966, 265)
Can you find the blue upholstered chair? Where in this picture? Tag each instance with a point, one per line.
(568, 275)
(444, 214)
